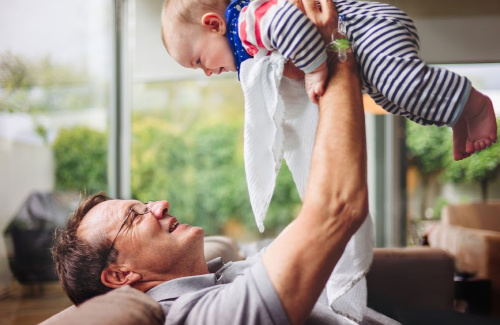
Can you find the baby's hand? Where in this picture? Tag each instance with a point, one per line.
(315, 82)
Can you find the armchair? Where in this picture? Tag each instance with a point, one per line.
(471, 233)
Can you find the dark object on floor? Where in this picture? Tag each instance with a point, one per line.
(475, 292)
(29, 236)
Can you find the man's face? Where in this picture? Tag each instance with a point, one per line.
(199, 48)
(153, 244)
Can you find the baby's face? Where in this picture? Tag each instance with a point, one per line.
(199, 48)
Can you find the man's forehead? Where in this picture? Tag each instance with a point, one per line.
(103, 217)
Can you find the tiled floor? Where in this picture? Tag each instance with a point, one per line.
(22, 306)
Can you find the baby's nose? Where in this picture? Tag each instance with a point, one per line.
(208, 72)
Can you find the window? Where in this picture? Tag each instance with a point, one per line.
(187, 139)
(54, 97)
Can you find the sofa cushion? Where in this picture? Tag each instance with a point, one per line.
(416, 277)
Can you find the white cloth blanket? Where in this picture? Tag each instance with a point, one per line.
(281, 122)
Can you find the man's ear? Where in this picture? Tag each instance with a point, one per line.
(214, 22)
(116, 277)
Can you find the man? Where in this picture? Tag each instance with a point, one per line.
(112, 243)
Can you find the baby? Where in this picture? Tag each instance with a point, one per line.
(217, 36)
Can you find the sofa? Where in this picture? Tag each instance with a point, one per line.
(471, 233)
(406, 284)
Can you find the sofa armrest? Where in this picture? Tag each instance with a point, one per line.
(416, 277)
(222, 246)
(476, 251)
(120, 306)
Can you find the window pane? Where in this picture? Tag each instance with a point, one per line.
(55, 59)
(187, 140)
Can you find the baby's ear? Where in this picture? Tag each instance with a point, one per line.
(214, 22)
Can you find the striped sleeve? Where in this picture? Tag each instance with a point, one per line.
(392, 71)
(269, 25)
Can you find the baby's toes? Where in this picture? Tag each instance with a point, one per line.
(470, 147)
(312, 96)
(480, 145)
(320, 89)
(460, 155)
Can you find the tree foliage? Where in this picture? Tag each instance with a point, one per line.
(34, 86)
(190, 153)
(202, 174)
(431, 150)
(428, 147)
(17, 71)
(80, 156)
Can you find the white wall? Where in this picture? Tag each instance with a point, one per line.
(460, 39)
(455, 31)
(151, 60)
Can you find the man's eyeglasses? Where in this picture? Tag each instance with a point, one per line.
(132, 212)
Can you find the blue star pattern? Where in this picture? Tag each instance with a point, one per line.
(232, 15)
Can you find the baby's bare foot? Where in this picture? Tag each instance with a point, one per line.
(481, 122)
(315, 82)
(460, 139)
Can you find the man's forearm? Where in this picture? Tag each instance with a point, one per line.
(338, 165)
(301, 259)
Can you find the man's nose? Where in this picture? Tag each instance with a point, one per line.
(208, 72)
(159, 209)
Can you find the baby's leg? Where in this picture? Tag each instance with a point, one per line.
(481, 122)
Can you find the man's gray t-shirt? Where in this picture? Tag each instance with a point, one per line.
(233, 293)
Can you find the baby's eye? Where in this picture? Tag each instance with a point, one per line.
(198, 62)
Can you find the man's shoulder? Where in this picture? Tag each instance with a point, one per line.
(173, 289)
(241, 289)
(220, 273)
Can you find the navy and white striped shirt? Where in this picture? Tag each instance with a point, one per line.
(387, 50)
(268, 25)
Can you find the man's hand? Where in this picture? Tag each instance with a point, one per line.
(325, 19)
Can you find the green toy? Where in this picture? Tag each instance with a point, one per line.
(341, 45)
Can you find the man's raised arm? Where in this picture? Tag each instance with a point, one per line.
(303, 256)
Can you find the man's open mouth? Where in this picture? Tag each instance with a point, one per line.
(174, 226)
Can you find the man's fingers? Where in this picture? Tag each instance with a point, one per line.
(328, 8)
(325, 18)
(311, 9)
(298, 4)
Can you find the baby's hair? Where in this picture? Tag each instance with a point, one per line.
(189, 11)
